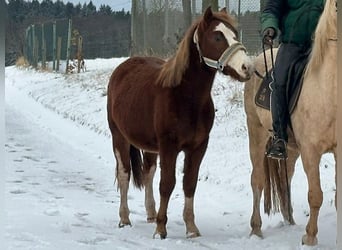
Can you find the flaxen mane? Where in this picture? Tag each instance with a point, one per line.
(325, 31)
(172, 71)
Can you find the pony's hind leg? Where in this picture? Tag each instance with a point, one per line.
(123, 170)
(192, 163)
(150, 163)
(123, 177)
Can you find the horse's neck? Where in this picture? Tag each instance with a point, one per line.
(198, 74)
(320, 82)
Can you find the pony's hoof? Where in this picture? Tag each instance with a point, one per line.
(123, 224)
(151, 219)
(190, 235)
(161, 235)
(309, 240)
(256, 232)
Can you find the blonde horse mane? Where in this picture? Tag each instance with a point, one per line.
(172, 71)
(326, 30)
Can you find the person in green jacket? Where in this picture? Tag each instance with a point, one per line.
(294, 21)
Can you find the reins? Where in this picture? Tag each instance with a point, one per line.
(265, 62)
(265, 59)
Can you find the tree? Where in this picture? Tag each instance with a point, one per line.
(69, 10)
(77, 9)
(105, 10)
(91, 9)
(187, 13)
(59, 9)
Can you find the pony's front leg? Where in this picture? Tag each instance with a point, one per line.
(168, 156)
(192, 163)
(150, 163)
(315, 195)
(257, 182)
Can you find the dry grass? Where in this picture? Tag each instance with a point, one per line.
(22, 62)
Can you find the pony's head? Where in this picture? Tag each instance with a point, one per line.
(217, 42)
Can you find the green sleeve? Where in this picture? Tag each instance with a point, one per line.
(268, 20)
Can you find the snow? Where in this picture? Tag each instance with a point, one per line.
(60, 190)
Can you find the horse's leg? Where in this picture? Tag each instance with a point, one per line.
(168, 156)
(335, 157)
(150, 163)
(123, 171)
(311, 159)
(192, 163)
(257, 147)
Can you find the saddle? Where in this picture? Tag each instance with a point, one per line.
(293, 85)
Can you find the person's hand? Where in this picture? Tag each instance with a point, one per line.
(268, 36)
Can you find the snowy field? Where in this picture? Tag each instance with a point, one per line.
(60, 190)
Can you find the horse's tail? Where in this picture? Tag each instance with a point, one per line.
(137, 166)
(275, 189)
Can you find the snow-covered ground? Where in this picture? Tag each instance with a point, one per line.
(60, 191)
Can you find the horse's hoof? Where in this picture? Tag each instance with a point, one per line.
(190, 235)
(123, 224)
(256, 232)
(151, 220)
(309, 240)
(290, 222)
(161, 235)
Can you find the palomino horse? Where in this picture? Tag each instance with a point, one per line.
(313, 130)
(164, 107)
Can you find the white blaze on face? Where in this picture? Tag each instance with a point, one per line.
(240, 60)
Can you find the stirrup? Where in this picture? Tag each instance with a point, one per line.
(277, 149)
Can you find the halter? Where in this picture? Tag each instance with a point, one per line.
(224, 58)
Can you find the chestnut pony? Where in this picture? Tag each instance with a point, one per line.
(165, 107)
(313, 130)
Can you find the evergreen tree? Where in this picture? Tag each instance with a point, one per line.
(105, 9)
(69, 10)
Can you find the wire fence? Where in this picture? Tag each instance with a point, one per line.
(155, 27)
(158, 25)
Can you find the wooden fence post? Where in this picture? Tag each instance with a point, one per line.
(54, 45)
(59, 48)
(68, 46)
(43, 48)
(34, 47)
(79, 53)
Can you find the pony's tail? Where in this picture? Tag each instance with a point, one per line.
(137, 165)
(272, 186)
(275, 189)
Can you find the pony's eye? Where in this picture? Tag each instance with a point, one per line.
(219, 37)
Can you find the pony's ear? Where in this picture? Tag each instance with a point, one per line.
(224, 10)
(208, 14)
